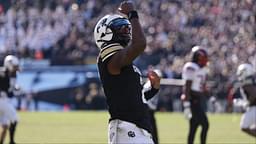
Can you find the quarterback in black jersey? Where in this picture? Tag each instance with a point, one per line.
(8, 114)
(121, 40)
(246, 77)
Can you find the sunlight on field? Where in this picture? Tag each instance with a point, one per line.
(91, 127)
(224, 128)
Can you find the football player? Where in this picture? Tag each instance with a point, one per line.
(194, 75)
(246, 77)
(8, 114)
(120, 39)
(151, 98)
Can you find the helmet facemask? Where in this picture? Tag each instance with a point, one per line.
(200, 57)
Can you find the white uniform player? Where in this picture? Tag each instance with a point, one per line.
(194, 75)
(8, 114)
(246, 73)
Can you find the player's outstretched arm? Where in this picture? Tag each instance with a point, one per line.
(187, 90)
(138, 43)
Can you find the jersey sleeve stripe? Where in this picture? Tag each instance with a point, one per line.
(109, 46)
(110, 51)
(109, 54)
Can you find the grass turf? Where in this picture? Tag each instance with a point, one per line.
(91, 127)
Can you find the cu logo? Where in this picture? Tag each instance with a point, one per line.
(131, 134)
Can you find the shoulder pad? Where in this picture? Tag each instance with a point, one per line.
(191, 66)
(109, 50)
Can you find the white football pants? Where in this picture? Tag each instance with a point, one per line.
(8, 112)
(248, 119)
(123, 132)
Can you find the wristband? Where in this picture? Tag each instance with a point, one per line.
(154, 90)
(132, 14)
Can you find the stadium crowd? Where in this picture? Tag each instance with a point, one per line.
(62, 32)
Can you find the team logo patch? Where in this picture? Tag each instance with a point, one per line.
(131, 134)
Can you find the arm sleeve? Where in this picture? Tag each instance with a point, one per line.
(150, 93)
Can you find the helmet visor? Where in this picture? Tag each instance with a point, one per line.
(121, 26)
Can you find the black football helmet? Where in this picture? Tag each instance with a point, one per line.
(199, 56)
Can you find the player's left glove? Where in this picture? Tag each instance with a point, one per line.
(187, 110)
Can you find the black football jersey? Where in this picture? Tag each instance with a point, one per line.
(251, 80)
(4, 80)
(124, 94)
(7, 82)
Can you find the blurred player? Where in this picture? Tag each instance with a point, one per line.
(121, 40)
(194, 90)
(8, 114)
(246, 77)
(150, 89)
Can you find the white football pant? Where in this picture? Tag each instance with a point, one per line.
(8, 112)
(121, 132)
(248, 119)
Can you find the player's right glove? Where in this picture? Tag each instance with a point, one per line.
(187, 110)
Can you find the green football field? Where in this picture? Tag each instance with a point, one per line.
(91, 127)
